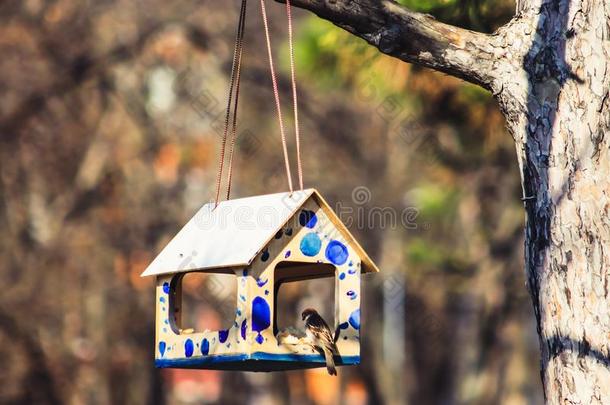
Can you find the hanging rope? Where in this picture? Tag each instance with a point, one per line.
(294, 95)
(241, 29)
(235, 68)
(276, 94)
(233, 101)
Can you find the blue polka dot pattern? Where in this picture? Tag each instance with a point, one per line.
(336, 252)
(244, 329)
(265, 255)
(311, 244)
(189, 347)
(205, 347)
(354, 319)
(308, 218)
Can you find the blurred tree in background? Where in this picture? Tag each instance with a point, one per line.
(110, 124)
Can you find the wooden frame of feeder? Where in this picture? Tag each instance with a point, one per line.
(285, 237)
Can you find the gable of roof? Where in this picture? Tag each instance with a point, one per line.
(368, 266)
(232, 234)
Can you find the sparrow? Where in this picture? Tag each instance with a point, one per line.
(319, 333)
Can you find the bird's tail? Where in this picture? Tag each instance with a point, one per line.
(330, 361)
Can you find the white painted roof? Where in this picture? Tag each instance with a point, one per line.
(232, 234)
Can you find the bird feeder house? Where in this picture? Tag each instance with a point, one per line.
(265, 241)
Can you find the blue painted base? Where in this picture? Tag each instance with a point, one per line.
(258, 361)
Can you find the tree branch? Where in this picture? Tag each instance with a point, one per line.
(413, 37)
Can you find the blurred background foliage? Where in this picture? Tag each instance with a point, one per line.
(110, 126)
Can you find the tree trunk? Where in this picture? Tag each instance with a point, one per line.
(562, 137)
(549, 69)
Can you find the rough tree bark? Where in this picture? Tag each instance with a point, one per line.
(549, 70)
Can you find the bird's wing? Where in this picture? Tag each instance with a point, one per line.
(321, 331)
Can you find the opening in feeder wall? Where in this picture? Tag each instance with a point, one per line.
(203, 301)
(299, 286)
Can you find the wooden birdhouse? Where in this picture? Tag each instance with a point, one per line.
(265, 241)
